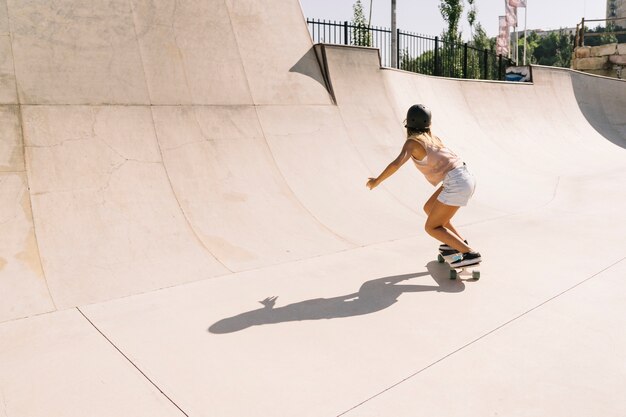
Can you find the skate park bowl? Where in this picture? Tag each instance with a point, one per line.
(185, 228)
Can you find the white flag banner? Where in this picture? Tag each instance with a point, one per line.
(517, 3)
(504, 38)
(502, 46)
(511, 13)
(504, 28)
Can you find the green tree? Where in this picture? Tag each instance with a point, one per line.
(451, 11)
(424, 64)
(553, 50)
(475, 61)
(471, 16)
(360, 30)
(451, 51)
(481, 41)
(565, 46)
(532, 42)
(607, 35)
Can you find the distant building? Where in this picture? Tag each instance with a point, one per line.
(564, 31)
(616, 8)
(543, 33)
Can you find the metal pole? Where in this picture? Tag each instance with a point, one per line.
(525, 33)
(437, 56)
(394, 36)
(516, 46)
(398, 46)
(465, 60)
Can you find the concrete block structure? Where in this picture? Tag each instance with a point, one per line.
(616, 8)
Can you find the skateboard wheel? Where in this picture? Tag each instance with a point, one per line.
(476, 275)
(440, 259)
(453, 274)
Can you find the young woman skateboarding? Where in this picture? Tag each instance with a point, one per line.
(438, 164)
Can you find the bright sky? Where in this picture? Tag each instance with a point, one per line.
(423, 16)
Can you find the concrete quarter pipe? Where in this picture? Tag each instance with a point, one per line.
(185, 228)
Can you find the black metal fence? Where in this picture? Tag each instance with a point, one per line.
(417, 53)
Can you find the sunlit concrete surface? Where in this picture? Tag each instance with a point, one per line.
(185, 227)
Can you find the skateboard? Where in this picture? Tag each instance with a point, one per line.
(456, 272)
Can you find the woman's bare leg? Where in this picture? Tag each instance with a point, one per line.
(429, 206)
(440, 215)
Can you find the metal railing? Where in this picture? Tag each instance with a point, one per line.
(416, 53)
(613, 33)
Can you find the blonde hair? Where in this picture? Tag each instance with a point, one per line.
(425, 137)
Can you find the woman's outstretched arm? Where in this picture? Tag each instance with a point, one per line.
(410, 146)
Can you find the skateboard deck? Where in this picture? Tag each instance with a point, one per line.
(456, 272)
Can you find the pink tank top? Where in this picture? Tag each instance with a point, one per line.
(437, 163)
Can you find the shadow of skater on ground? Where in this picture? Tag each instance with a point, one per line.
(374, 295)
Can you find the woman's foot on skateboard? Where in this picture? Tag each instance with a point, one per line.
(468, 259)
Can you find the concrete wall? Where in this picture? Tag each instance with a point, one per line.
(608, 60)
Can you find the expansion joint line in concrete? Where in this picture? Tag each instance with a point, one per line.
(32, 212)
(481, 337)
(238, 49)
(131, 362)
(143, 64)
(20, 118)
(175, 195)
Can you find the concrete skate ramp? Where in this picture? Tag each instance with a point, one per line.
(601, 101)
(166, 166)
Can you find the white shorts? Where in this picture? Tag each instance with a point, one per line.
(458, 187)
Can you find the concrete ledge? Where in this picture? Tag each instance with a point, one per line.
(583, 52)
(591, 63)
(604, 50)
(603, 72)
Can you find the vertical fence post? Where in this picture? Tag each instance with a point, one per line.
(500, 67)
(346, 39)
(485, 58)
(465, 60)
(436, 69)
(398, 49)
(583, 34)
(394, 36)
